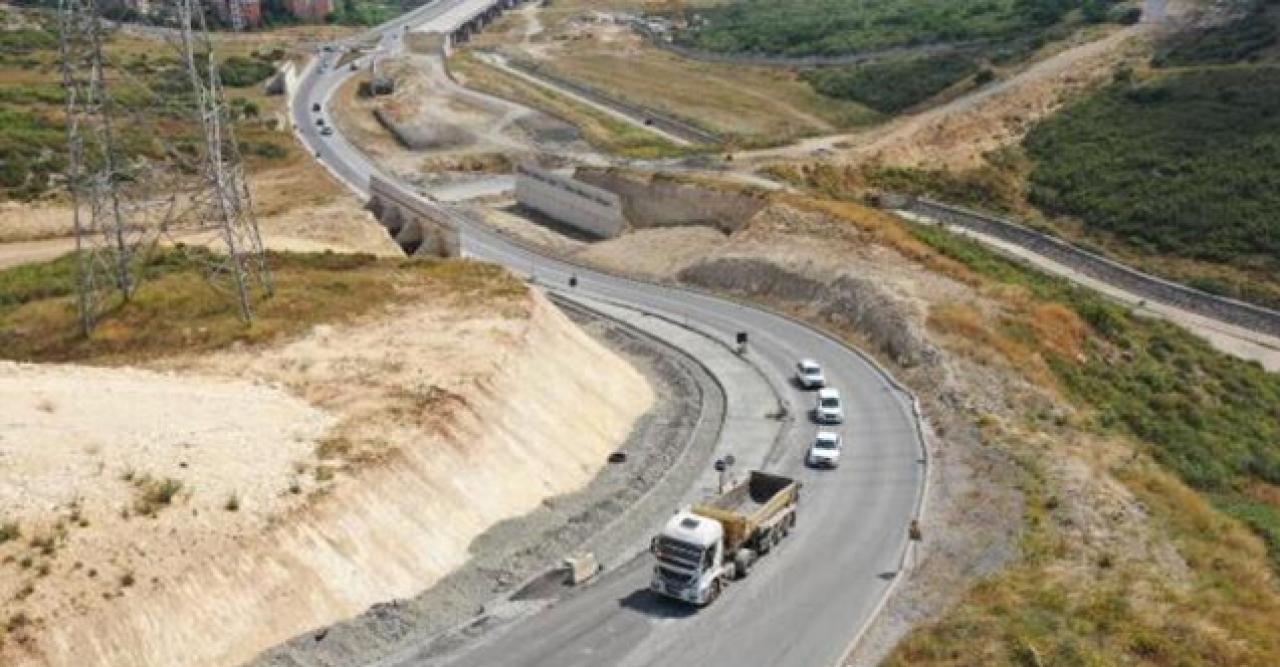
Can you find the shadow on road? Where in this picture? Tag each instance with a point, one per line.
(649, 603)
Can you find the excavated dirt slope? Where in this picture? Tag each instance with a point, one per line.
(363, 461)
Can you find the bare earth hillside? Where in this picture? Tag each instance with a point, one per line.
(265, 492)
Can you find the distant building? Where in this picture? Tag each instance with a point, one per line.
(250, 11)
(310, 10)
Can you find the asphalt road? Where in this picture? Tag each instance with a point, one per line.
(804, 603)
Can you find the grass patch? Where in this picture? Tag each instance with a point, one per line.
(893, 85)
(756, 106)
(10, 530)
(601, 130)
(175, 311)
(152, 495)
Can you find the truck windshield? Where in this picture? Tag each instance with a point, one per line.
(830, 402)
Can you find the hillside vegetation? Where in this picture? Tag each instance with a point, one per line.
(1177, 165)
(1206, 420)
(144, 77)
(832, 27)
(894, 85)
(1184, 163)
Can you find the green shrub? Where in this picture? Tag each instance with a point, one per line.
(1183, 164)
(891, 86)
(239, 72)
(1231, 42)
(9, 530)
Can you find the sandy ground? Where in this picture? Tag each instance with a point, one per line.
(434, 422)
(453, 124)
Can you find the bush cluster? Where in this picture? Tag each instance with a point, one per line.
(1182, 164)
(894, 85)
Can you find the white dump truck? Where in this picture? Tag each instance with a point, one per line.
(700, 550)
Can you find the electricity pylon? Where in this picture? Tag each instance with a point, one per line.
(126, 201)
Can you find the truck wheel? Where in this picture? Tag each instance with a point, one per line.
(713, 594)
(742, 563)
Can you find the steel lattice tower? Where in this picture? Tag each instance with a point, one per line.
(194, 197)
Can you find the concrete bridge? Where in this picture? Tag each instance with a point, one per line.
(418, 226)
(464, 19)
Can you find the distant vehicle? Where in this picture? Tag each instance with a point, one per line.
(830, 409)
(315, 107)
(355, 66)
(825, 450)
(328, 48)
(700, 550)
(320, 121)
(809, 374)
(326, 131)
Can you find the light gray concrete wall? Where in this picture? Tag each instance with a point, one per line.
(584, 207)
(651, 201)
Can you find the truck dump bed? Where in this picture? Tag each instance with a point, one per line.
(745, 507)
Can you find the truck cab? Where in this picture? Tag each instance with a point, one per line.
(700, 550)
(690, 554)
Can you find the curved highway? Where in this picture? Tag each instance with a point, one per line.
(805, 603)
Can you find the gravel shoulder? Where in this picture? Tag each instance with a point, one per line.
(607, 517)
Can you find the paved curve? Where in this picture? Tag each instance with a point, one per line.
(804, 603)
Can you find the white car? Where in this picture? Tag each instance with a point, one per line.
(830, 409)
(809, 373)
(825, 450)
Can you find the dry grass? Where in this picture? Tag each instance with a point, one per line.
(601, 130)
(178, 312)
(761, 106)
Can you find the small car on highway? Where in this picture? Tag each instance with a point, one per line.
(830, 409)
(809, 374)
(315, 106)
(825, 450)
(326, 132)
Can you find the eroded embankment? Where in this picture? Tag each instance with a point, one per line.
(448, 419)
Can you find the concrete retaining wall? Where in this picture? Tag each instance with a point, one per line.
(1249, 316)
(419, 226)
(649, 202)
(585, 207)
(285, 80)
